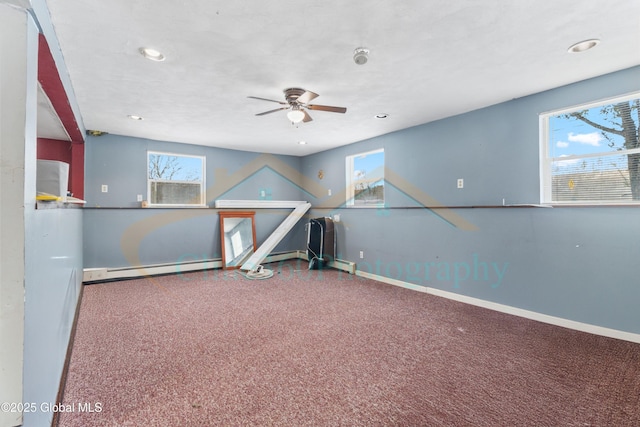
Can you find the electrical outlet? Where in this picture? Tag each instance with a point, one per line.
(460, 183)
(105, 188)
(336, 218)
(328, 192)
(139, 198)
(361, 254)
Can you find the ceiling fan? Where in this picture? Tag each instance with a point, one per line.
(297, 102)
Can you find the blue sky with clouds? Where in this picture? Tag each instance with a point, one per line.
(191, 168)
(569, 136)
(369, 165)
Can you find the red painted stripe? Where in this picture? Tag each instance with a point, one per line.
(52, 85)
(54, 149)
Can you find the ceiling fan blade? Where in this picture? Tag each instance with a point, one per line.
(307, 117)
(306, 97)
(265, 99)
(327, 108)
(272, 111)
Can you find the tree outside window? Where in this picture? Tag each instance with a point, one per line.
(365, 179)
(592, 153)
(175, 180)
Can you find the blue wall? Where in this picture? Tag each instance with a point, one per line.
(53, 280)
(574, 263)
(570, 262)
(118, 233)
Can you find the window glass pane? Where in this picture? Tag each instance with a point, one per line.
(175, 179)
(367, 179)
(175, 193)
(175, 168)
(593, 153)
(572, 134)
(591, 179)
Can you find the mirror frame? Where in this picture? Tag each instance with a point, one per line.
(235, 214)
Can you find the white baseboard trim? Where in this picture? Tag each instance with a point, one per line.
(105, 274)
(528, 314)
(389, 281)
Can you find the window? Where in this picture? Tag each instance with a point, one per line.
(175, 179)
(365, 179)
(590, 154)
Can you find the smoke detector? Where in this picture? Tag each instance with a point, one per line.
(361, 55)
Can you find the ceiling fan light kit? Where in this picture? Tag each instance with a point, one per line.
(296, 115)
(297, 102)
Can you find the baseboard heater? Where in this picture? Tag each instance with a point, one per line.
(338, 264)
(95, 275)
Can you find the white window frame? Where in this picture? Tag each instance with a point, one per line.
(546, 162)
(202, 182)
(349, 167)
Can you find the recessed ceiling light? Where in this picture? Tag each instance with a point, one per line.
(134, 117)
(584, 45)
(302, 142)
(381, 116)
(152, 54)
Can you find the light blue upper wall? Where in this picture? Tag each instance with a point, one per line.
(495, 149)
(53, 282)
(573, 263)
(121, 163)
(118, 233)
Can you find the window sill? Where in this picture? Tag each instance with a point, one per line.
(371, 206)
(594, 205)
(148, 207)
(175, 207)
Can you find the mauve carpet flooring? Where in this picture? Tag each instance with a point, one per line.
(323, 348)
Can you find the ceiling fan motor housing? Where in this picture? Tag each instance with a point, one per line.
(292, 94)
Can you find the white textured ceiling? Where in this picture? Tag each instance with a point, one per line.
(428, 60)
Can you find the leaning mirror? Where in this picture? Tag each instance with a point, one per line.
(237, 237)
